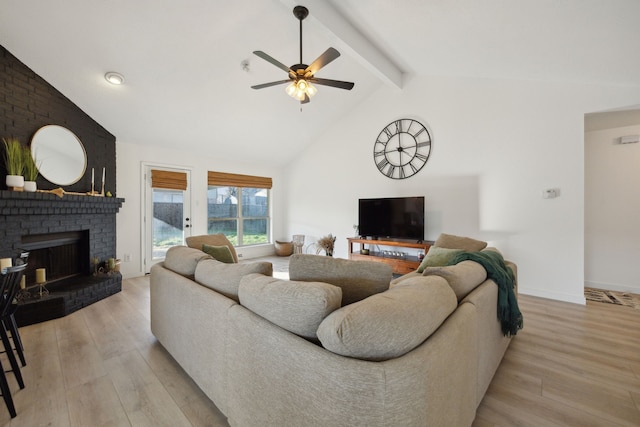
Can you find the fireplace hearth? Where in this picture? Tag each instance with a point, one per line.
(61, 235)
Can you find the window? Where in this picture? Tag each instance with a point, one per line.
(238, 207)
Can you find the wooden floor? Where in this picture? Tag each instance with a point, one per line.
(101, 366)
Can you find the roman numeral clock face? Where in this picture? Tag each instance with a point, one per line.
(402, 148)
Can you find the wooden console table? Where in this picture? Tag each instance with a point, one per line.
(400, 265)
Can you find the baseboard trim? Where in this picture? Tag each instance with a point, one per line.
(574, 299)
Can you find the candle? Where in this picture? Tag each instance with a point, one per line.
(5, 262)
(92, 178)
(23, 282)
(103, 171)
(41, 275)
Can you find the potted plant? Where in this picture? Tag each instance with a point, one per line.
(14, 161)
(30, 171)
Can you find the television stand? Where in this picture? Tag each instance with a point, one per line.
(399, 264)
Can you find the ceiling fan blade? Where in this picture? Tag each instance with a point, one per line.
(333, 83)
(306, 99)
(273, 61)
(328, 56)
(263, 85)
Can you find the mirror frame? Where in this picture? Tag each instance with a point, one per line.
(62, 159)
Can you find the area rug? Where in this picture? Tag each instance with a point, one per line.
(613, 297)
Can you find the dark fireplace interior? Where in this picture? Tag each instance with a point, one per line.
(62, 235)
(63, 255)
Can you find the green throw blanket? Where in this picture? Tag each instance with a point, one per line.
(508, 311)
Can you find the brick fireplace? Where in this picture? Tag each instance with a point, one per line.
(62, 235)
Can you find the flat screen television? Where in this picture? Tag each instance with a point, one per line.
(392, 217)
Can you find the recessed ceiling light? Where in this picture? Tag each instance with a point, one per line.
(114, 78)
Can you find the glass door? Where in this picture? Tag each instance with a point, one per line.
(167, 218)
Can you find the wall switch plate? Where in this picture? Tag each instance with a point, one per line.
(127, 258)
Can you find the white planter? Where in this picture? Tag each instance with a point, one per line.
(30, 186)
(15, 181)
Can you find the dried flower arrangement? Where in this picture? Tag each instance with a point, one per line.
(326, 244)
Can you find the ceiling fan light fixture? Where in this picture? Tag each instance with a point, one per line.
(300, 89)
(311, 90)
(292, 89)
(301, 74)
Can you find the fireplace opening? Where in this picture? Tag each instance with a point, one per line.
(63, 255)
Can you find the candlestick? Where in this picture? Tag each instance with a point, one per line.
(102, 191)
(5, 262)
(41, 275)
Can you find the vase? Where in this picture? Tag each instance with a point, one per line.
(14, 181)
(30, 186)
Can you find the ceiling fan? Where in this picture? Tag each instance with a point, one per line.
(301, 76)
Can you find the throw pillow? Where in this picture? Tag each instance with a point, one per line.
(468, 244)
(298, 307)
(218, 239)
(437, 257)
(391, 323)
(221, 253)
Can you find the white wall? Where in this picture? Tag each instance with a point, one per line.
(612, 210)
(497, 145)
(129, 162)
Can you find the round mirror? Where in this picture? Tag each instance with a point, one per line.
(59, 154)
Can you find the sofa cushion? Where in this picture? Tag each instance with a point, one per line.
(220, 253)
(218, 239)
(225, 278)
(391, 323)
(358, 279)
(183, 260)
(298, 307)
(451, 241)
(462, 277)
(437, 256)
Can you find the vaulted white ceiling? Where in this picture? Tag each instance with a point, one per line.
(185, 86)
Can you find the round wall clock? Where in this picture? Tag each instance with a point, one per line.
(402, 148)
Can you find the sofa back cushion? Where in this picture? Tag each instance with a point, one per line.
(357, 279)
(183, 260)
(462, 277)
(218, 239)
(436, 257)
(391, 323)
(225, 278)
(298, 307)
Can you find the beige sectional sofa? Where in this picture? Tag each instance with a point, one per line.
(333, 346)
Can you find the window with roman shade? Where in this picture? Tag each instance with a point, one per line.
(237, 180)
(238, 207)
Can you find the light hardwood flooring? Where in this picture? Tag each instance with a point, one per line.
(572, 365)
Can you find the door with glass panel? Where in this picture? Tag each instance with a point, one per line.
(167, 217)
